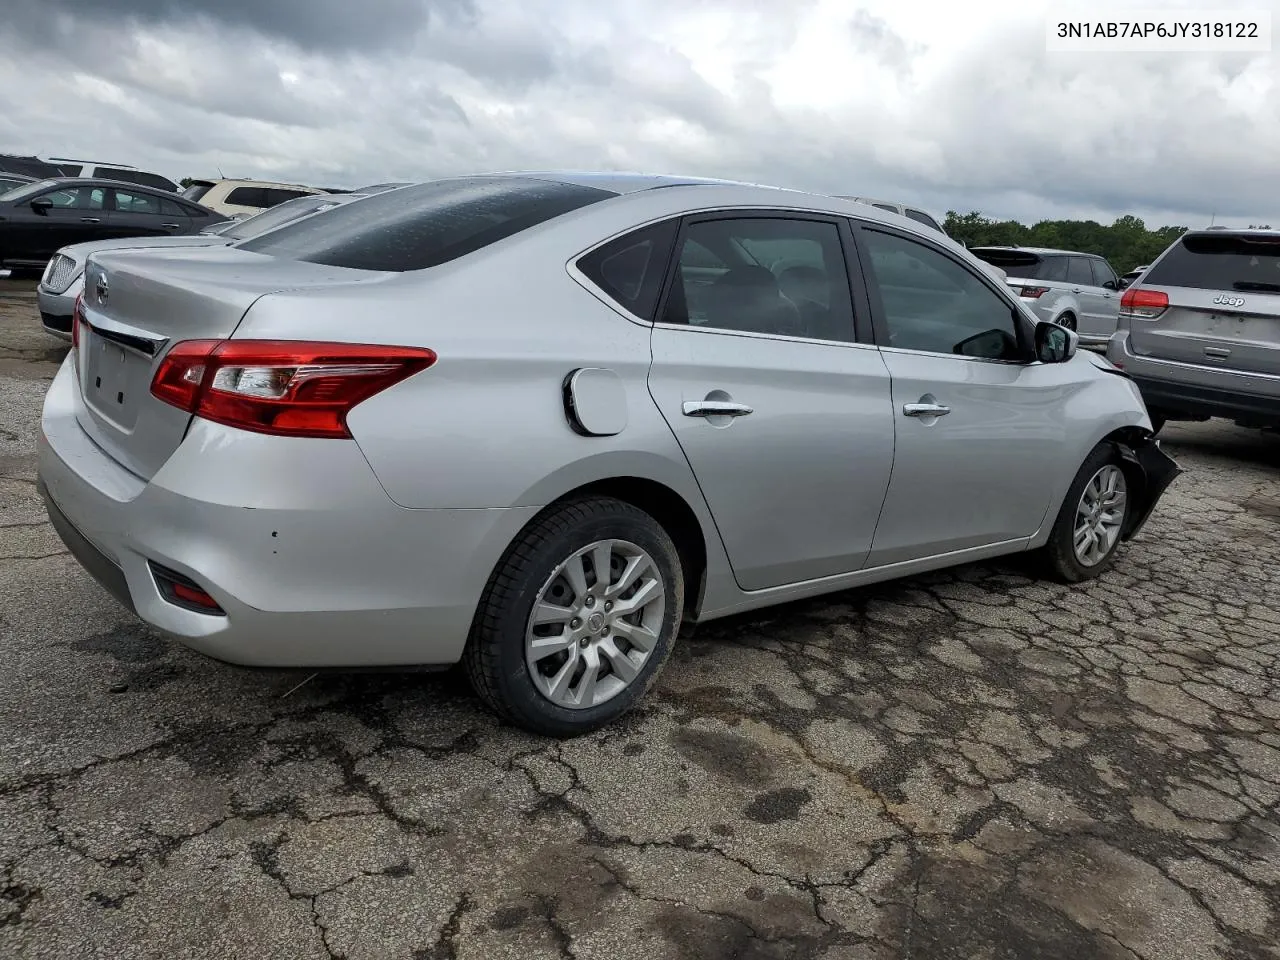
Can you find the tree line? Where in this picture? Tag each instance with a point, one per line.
(1126, 244)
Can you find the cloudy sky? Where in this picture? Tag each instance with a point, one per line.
(946, 104)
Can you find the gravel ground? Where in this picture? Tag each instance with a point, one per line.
(971, 764)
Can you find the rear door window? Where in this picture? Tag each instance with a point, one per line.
(1218, 262)
(426, 224)
(129, 202)
(1078, 271)
(631, 269)
(247, 197)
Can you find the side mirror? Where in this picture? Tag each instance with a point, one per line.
(1054, 343)
(1111, 285)
(41, 205)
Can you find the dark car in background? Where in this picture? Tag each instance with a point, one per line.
(38, 218)
(9, 181)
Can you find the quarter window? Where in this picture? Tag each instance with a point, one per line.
(768, 275)
(631, 269)
(933, 304)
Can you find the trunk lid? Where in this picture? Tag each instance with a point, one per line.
(139, 303)
(1224, 303)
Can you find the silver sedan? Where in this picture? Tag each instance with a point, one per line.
(536, 423)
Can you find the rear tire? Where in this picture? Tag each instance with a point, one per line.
(1086, 534)
(1067, 320)
(599, 639)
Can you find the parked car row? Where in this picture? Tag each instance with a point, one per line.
(536, 422)
(38, 218)
(63, 279)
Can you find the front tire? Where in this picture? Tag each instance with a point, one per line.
(578, 618)
(1086, 534)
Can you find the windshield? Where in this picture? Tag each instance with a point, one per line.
(278, 216)
(28, 189)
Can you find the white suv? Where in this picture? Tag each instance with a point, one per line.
(113, 171)
(236, 198)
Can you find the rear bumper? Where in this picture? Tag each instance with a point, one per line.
(1195, 390)
(312, 564)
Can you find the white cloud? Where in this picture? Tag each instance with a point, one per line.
(953, 106)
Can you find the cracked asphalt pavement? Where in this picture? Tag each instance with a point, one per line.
(971, 764)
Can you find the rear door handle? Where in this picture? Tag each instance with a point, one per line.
(1075, 289)
(925, 409)
(90, 219)
(170, 226)
(715, 408)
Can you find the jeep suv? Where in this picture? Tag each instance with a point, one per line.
(1200, 330)
(1079, 291)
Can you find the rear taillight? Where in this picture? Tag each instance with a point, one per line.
(281, 387)
(1033, 292)
(77, 317)
(1144, 304)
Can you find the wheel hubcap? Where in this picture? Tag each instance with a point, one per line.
(594, 624)
(1100, 515)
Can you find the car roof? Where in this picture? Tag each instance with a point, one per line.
(251, 183)
(621, 182)
(1233, 232)
(93, 163)
(1038, 251)
(108, 182)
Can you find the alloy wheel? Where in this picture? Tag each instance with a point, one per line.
(595, 623)
(1100, 515)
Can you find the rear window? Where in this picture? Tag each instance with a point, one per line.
(921, 217)
(1025, 266)
(196, 191)
(1220, 262)
(424, 225)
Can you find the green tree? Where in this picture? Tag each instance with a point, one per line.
(1127, 243)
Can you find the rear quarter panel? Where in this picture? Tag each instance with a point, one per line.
(485, 427)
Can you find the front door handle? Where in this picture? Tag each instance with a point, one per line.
(925, 409)
(90, 219)
(169, 226)
(715, 408)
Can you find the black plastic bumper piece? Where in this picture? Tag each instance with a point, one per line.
(1158, 471)
(99, 565)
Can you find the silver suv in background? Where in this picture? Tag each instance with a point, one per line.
(1200, 330)
(901, 209)
(1079, 291)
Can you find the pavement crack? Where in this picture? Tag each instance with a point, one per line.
(445, 947)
